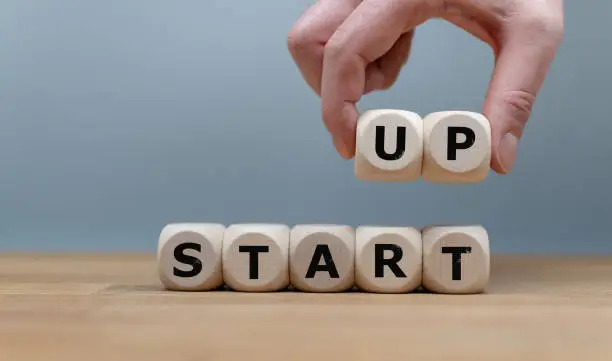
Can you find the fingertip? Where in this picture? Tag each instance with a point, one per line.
(497, 168)
(504, 155)
(343, 149)
(345, 143)
(340, 120)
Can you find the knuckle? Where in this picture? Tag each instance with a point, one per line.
(544, 23)
(519, 104)
(440, 6)
(340, 51)
(300, 39)
(333, 49)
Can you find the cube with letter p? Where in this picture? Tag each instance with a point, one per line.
(457, 147)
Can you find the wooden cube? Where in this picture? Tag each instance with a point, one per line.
(457, 147)
(388, 259)
(456, 259)
(322, 257)
(256, 257)
(189, 256)
(389, 146)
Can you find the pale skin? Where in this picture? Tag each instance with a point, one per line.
(345, 49)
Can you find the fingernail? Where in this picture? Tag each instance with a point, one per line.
(506, 152)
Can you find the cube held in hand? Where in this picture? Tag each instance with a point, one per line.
(457, 147)
(389, 146)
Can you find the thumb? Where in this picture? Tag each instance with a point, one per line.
(521, 66)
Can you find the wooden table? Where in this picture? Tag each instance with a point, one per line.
(112, 308)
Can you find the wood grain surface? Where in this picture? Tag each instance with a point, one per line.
(94, 307)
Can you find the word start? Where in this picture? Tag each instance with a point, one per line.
(254, 257)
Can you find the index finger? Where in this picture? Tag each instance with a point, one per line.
(367, 34)
(311, 31)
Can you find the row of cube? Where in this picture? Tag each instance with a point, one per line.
(443, 147)
(260, 257)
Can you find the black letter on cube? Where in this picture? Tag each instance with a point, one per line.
(400, 147)
(195, 263)
(253, 252)
(456, 259)
(380, 262)
(322, 250)
(453, 146)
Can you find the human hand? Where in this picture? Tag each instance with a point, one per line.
(347, 48)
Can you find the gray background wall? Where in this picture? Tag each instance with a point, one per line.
(118, 117)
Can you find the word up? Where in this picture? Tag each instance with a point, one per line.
(444, 147)
(253, 257)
